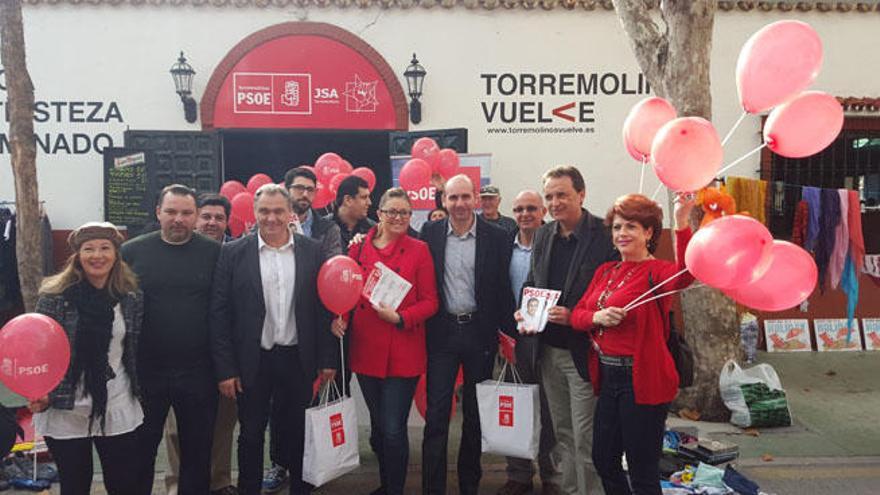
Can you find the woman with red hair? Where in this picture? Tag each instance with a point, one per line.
(631, 368)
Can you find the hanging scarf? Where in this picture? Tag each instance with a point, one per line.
(813, 198)
(750, 195)
(799, 227)
(850, 285)
(93, 334)
(841, 241)
(856, 237)
(827, 229)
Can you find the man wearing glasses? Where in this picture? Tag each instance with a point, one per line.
(529, 212)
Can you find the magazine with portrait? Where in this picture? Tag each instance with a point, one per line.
(535, 308)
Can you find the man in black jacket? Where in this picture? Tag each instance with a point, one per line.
(565, 253)
(471, 260)
(302, 183)
(270, 334)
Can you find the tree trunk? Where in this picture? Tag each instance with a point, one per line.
(676, 63)
(20, 93)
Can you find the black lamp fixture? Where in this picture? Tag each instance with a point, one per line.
(415, 76)
(183, 74)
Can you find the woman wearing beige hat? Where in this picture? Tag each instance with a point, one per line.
(97, 301)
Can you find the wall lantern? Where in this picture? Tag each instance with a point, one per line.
(183, 74)
(415, 76)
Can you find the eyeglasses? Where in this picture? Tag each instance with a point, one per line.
(530, 209)
(397, 213)
(301, 188)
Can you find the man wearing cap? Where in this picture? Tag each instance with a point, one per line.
(175, 269)
(490, 200)
(270, 334)
(213, 218)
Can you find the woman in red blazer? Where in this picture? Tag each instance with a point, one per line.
(631, 368)
(387, 345)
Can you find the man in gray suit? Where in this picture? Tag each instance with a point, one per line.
(270, 334)
(565, 253)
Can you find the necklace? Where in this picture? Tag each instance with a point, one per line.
(603, 297)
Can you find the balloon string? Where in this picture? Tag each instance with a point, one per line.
(659, 186)
(661, 295)
(652, 289)
(642, 178)
(740, 159)
(730, 132)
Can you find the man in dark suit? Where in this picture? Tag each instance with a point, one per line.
(270, 334)
(565, 253)
(471, 259)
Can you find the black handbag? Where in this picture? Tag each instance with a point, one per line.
(681, 352)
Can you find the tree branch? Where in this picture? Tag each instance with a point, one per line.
(649, 44)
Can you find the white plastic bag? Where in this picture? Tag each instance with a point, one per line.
(331, 439)
(510, 417)
(754, 396)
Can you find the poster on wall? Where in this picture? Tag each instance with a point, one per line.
(872, 333)
(477, 166)
(831, 335)
(787, 335)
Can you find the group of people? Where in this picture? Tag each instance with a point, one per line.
(184, 332)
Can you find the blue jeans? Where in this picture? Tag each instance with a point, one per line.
(389, 400)
(621, 425)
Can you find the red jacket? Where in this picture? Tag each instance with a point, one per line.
(644, 329)
(378, 348)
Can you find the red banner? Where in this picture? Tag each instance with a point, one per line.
(304, 81)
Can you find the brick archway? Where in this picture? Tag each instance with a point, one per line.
(240, 50)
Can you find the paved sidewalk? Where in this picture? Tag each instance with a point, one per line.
(832, 447)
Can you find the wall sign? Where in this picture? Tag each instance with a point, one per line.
(308, 75)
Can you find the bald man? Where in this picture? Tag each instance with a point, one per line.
(464, 330)
(529, 212)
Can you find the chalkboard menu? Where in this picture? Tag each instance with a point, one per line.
(128, 195)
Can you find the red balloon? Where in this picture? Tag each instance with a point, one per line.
(448, 163)
(426, 149)
(330, 164)
(34, 355)
(236, 226)
(643, 122)
(340, 282)
(415, 175)
(323, 196)
(730, 252)
(805, 125)
(367, 175)
(686, 153)
(421, 395)
(776, 63)
(633, 153)
(230, 188)
(257, 181)
(243, 208)
(335, 181)
(789, 280)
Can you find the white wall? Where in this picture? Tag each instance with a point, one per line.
(122, 54)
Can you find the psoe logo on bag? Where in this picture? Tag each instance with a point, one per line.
(505, 410)
(337, 432)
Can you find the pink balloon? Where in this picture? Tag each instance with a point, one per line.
(643, 122)
(340, 281)
(236, 226)
(779, 61)
(243, 208)
(335, 181)
(330, 164)
(323, 196)
(805, 125)
(633, 153)
(426, 149)
(729, 252)
(415, 175)
(34, 355)
(789, 280)
(257, 181)
(448, 163)
(366, 174)
(686, 153)
(230, 188)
